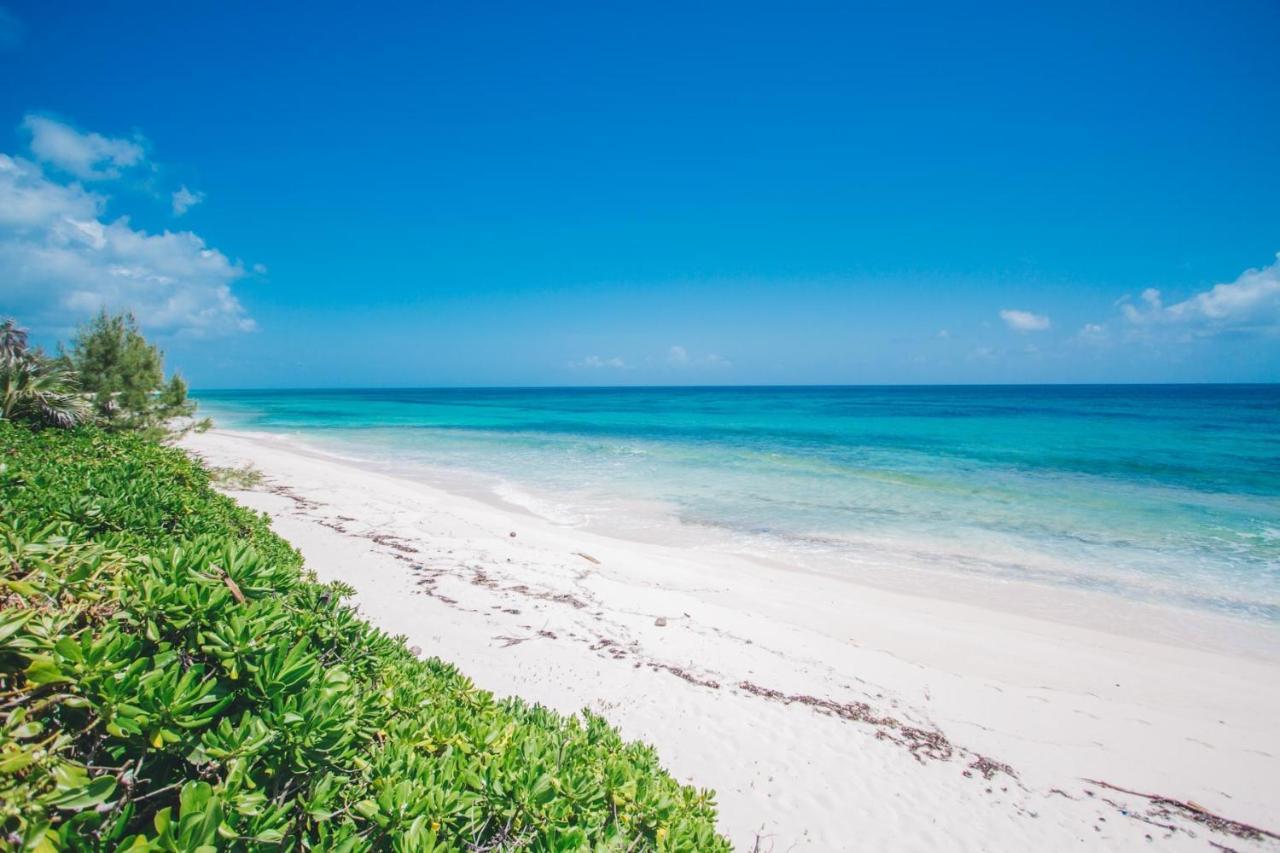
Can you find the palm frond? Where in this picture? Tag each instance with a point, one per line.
(13, 339)
(41, 391)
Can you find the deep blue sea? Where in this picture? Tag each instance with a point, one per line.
(1168, 494)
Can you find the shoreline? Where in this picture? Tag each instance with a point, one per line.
(827, 713)
(1064, 603)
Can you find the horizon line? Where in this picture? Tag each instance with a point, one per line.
(737, 386)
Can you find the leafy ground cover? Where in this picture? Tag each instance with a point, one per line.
(172, 679)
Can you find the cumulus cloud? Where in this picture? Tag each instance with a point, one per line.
(61, 260)
(1024, 321)
(88, 156)
(1250, 304)
(677, 355)
(595, 362)
(184, 199)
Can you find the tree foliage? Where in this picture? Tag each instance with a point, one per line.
(124, 373)
(171, 679)
(34, 388)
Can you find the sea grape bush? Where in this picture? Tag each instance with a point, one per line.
(172, 679)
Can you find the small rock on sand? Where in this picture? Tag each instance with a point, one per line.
(661, 621)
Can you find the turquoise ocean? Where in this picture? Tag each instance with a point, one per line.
(1164, 494)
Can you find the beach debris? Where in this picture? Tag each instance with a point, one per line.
(685, 674)
(921, 743)
(610, 647)
(1167, 807)
(415, 650)
(559, 598)
(231, 584)
(390, 541)
(587, 557)
(989, 767)
(507, 642)
(512, 534)
(661, 621)
(480, 577)
(300, 503)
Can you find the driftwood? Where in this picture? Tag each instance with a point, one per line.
(1197, 813)
(231, 584)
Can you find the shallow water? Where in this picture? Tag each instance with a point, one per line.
(1167, 494)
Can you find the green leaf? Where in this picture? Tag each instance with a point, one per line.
(43, 670)
(92, 794)
(15, 761)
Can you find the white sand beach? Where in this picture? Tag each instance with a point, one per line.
(827, 714)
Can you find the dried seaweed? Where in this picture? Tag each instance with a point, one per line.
(1170, 807)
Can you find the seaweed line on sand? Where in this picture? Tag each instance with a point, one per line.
(1168, 807)
(299, 501)
(921, 743)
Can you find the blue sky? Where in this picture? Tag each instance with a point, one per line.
(431, 194)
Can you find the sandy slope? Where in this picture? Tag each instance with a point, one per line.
(827, 715)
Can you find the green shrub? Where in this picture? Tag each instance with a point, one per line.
(171, 679)
(244, 477)
(124, 375)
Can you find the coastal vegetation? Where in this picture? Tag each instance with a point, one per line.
(171, 678)
(34, 387)
(123, 375)
(241, 477)
(111, 376)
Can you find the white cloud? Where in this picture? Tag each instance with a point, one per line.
(184, 199)
(61, 260)
(1250, 304)
(943, 334)
(1024, 321)
(88, 156)
(30, 202)
(1092, 333)
(678, 357)
(595, 362)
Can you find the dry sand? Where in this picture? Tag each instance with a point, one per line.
(826, 714)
